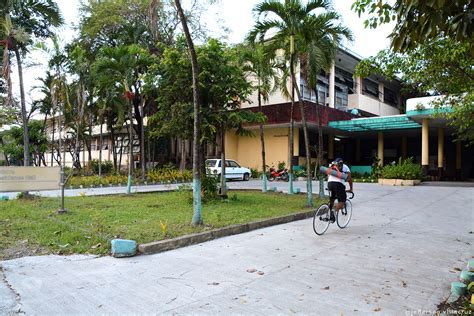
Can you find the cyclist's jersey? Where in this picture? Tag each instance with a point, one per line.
(345, 169)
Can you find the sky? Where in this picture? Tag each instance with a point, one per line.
(235, 15)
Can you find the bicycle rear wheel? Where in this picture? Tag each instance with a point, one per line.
(344, 216)
(321, 219)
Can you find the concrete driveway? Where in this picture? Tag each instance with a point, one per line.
(399, 254)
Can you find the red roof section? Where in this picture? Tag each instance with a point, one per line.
(280, 113)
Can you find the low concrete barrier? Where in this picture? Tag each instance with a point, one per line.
(169, 244)
(399, 182)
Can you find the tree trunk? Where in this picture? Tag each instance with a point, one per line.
(101, 140)
(309, 187)
(130, 149)
(26, 139)
(262, 142)
(52, 140)
(89, 140)
(142, 143)
(182, 161)
(112, 146)
(320, 147)
(223, 163)
(290, 162)
(197, 209)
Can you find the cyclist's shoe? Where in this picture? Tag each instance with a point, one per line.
(333, 217)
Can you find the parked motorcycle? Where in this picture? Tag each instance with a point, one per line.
(278, 175)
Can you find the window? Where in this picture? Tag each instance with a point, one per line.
(211, 163)
(232, 164)
(390, 97)
(370, 88)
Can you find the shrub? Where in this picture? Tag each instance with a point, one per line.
(169, 174)
(255, 173)
(376, 168)
(209, 187)
(299, 173)
(404, 169)
(106, 166)
(281, 165)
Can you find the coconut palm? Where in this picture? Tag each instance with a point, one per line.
(262, 66)
(22, 20)
(296, 27)
(288, 20)
(318, 55)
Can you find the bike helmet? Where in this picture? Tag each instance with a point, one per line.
(339, 162)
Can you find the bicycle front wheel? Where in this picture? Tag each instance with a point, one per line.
(321, 219)
(344, 216)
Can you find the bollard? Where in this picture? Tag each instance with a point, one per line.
(470, 265)
(123, 248)
(466, 276)
(458, 288)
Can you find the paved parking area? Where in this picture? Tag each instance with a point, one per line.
(399, 254)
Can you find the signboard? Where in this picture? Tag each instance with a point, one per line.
(29, 178)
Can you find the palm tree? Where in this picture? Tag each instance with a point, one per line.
(197, 214)
(45, 105)
(22, 19)
(288, 20)
(296, 28)
(319, 55)
(261, 64)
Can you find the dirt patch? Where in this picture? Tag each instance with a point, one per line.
(459, 307)
(22, 249)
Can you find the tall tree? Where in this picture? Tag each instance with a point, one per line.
(318, 53)
(296, 26)
(24, 20)
(262, 66)
(197, 213)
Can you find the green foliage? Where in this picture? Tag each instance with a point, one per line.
(96, 220)
(106, 166)
(223, 86)
(8, 115)
(441, 67)
(281, 165)
(299, 173)
(209, 188)
(255, 174)
(12, 142)
(404, 169)
(419, 21)
(376, 168)
(169, 174)
(165, 174)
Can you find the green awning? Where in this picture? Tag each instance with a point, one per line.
(383, 123)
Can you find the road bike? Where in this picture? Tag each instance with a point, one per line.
(322, 216)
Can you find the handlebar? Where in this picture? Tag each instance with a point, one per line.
(350, 198)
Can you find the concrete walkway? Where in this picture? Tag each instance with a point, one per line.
(398, 254)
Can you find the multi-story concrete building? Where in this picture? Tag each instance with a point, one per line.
(362, 119)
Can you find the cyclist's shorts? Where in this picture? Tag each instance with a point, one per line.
(338, 191)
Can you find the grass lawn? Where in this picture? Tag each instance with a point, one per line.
(32, 226)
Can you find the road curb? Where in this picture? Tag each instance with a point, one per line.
(188, 240)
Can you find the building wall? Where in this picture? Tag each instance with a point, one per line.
(371, 105)
(248, 151)
(274, 97)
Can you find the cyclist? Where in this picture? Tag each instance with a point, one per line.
(337, 185)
